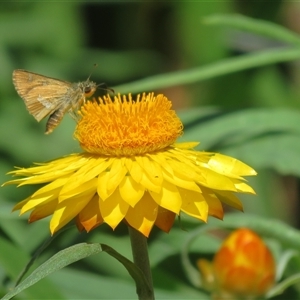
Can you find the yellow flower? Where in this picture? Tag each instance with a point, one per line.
(132, 170)
(243, 267)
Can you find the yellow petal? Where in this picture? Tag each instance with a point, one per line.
(185, 170)
(216, 181)
(18, 182)
(180, 181)
(116, 176)
(148, 184)
(102, 184)
(93, 167)
(190, 157)
(143, 215)
(131, 191)
(194, 204)
(73, 190)
(21, 204)
(43, 178)
(165, 219)
(97, 168)
(113, 209)
(109, 181)
(245, 188)
(42, 211)
(68, 163)
(215, 208)
(149, 166)
(40, 199)
(69, 209)
(136, 172)
(160, 158)
(230, 199)
(54, 185)
(90, 216)
(186, 145)
(168, 198)
(128, 164)
(230, 166)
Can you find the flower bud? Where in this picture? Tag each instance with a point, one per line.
(244, 266)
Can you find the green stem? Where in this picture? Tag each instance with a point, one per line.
(141, 259)
(223, 67)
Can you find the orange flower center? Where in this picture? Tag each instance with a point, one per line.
(124, 127)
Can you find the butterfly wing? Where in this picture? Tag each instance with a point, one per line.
(42, 95)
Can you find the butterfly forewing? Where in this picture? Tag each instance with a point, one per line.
(42, 95)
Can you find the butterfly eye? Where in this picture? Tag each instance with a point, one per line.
(87, 89)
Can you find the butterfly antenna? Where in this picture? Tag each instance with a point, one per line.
(94, 66)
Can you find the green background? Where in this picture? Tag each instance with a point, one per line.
(251, 114)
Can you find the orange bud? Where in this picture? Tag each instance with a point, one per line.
(244, 266)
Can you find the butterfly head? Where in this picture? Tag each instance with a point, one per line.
(89, 88)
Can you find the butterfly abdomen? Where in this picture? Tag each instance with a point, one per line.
(54, 119)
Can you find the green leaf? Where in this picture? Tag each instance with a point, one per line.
(73, 254)
(283, 285)
(82, 284)
(11, 258)
(283, 261)
(133, 270)
(226, 66)
(260, 27)
(229, 65)
(40, 249)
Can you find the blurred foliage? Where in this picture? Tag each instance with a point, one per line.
(236, 89)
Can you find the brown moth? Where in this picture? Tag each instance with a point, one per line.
(45, 96)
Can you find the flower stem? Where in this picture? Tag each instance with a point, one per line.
(141, 259)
